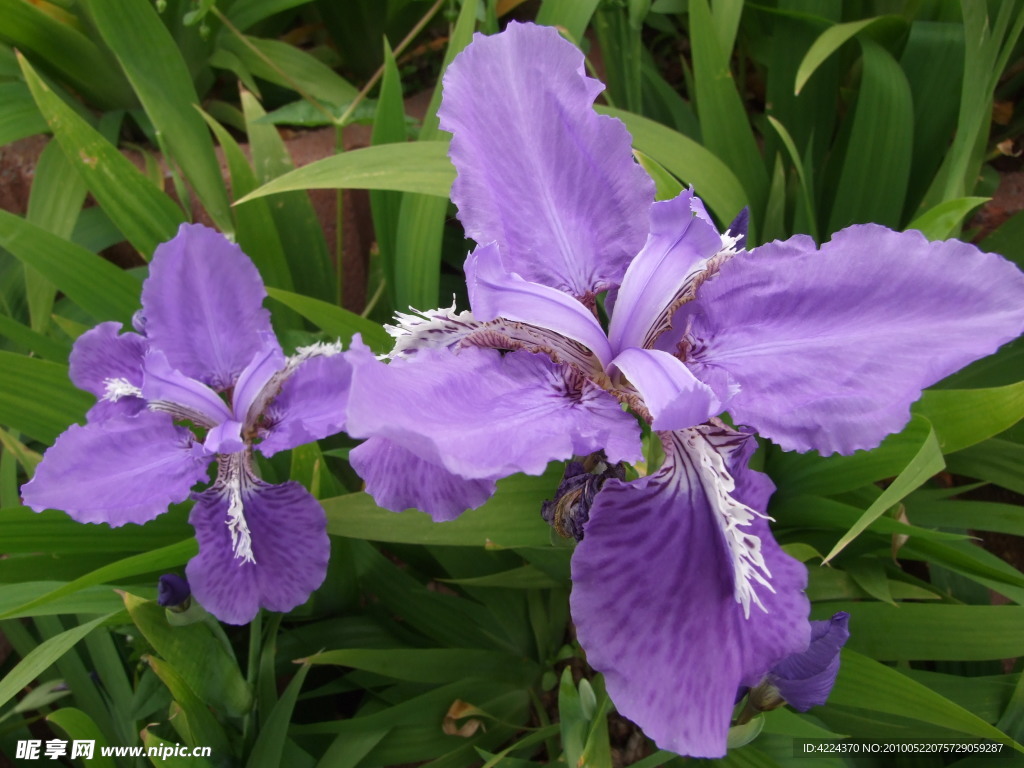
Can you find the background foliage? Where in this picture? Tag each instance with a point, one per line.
(449, 645)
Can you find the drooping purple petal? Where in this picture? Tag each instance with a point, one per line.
(122, 470)
(681, 241)
(495, 292)
(540, 172)
(104, 360)
(830, 347)
(169, 390)
(203, 306)
(655, 591)
(311, 404)
(484, 415)
(805, 679)
(290, 549)
(673, 396)
(399, 479)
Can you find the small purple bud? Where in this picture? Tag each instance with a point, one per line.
(804, 680)
(173, 592)
(570, 509)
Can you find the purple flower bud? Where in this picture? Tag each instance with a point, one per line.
(173, 591)
(804, 680)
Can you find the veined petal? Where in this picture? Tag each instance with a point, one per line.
(399, 479)
(805, 679)
(109, 365)
(287, 532)
(494, 292)
(830, 347)
(673, 396)
(203, 306)
(540, 172)
(666, 272)
(121, 470)
(484, 415)
(167, 389)
(311, 404)
(655, 592)
(254, 378)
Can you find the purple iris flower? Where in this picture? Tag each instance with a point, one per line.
(680, 594)
(204, 353)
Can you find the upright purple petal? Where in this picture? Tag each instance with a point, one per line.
(203, 306)
(673, 396)
(656, 588)
(254, 379)
(312, 404)
(484, 415)
(830, 347)
(495, 292)
(121, 470)
(109, 365)
(540, 172)
(681, 241)
(399, 479)
(290, 550)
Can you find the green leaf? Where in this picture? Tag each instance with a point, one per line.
(944, 219)
(573, 721)
(19, 116)
(37, 398)
(421, 166)
(196, 654)
(434, 665)
(42, 656)
(194, 722)
(524, 577)
(571, 15)
(79, 726)
(867, 684)
(91, 600)
(995, 460)
(92, 282)
(25, 531)
(334, 320)
(145, 562)
(161, 79)
(924, 465)
(269, 749)
(688, 161)
(965, 417)
(510, 519)
(145, 215)
(831, 40)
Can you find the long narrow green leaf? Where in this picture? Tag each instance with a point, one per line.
(20, 116)
(925, 464)
(145, 215)
(269, 749)
(92, 282)
(422, 167)
(572, 15)
(158, 73)
(79, 726)
(944, 219)
(831, 40)
(37, 398)
(42, 656)
(965, 417)
(334, 320)
(434, 665)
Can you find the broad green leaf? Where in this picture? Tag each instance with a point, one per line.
(571, 15)
(334, 320)
(832, 40)
(245, 13)
(25, 531)
(872, 185)
(19, 116)
(145, 215)
(944, 219)
(832, 584)
(145, 562)
(92, 282)
(163, 754)
(1008, 240)
(525, 577)
(666, 185)
(196, 654)
(964, 417)
(42, 656)
(924, 465)
(66, 50)
(510, 519)
(79, 726)
(269, 749)
(972, 561)
(723, 119)
(976, 515)
(91, 600)
(195, 723)
(31, 341)
(996, 461)
(161, 79)
(422, 218)
(434, 665)
(688, 161)
(294, 218)
(36, 397)
(420, 166)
